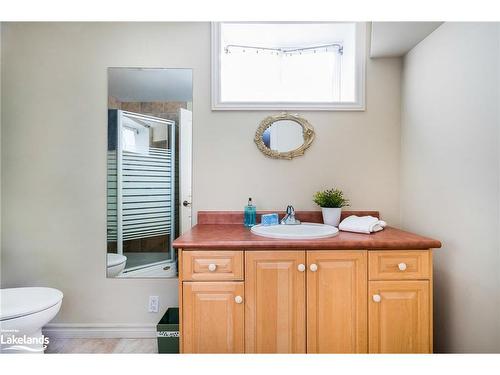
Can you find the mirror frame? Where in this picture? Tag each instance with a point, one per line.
(307, 133)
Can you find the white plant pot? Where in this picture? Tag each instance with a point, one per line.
(331, 216)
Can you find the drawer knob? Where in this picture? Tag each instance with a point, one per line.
(376, 298)
(402, 266)
(313, 267)
(212, 267)
(301, 267)
(238, 299)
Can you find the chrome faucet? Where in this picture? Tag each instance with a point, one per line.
(289, 218)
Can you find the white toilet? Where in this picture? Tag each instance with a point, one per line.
(115, 264)
(23, 313)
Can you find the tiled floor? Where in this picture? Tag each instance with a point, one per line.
(85, 346)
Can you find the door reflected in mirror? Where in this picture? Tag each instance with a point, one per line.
(149, 169)
(284, 136)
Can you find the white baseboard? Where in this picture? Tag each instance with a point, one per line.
(99, 331)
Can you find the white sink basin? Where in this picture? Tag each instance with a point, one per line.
(303, 231)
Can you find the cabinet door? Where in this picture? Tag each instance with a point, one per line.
(399, 317)
(275, 302)
(213, 317)
(336, 302)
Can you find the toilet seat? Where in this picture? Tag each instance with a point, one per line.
(115, 259)
(19, 302)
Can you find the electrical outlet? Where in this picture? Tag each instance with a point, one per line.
(154, 304)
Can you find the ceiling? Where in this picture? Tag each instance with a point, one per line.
(392, 39)
(150, 85)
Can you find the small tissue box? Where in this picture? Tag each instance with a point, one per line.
(269, 219)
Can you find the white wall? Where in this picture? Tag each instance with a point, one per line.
(0, 150)
(450, 177)
(54, 156)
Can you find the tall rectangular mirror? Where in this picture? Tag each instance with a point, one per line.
(148, 169)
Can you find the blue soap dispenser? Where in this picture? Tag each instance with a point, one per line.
(250, 214)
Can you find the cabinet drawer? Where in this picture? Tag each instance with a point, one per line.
(399, 265)
(212, 265)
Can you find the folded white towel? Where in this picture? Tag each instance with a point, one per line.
(362, 224)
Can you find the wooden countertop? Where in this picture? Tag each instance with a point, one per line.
(217, 232)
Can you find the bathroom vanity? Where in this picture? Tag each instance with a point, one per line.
(352, 293)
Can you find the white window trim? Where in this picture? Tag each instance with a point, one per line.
(357, 105)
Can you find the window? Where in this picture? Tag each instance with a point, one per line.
(294, 65)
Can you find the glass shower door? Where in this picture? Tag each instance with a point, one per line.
(141, 208)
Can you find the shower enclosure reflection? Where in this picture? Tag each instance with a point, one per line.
(145, 106)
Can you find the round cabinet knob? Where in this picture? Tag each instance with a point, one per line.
(301, 267)
(376, 298)
(402, 266)
(238, 299)
(313, 267)
(212, 267)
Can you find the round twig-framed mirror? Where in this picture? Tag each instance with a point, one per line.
(284, 136)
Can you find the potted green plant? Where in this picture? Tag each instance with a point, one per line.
(331, 202)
